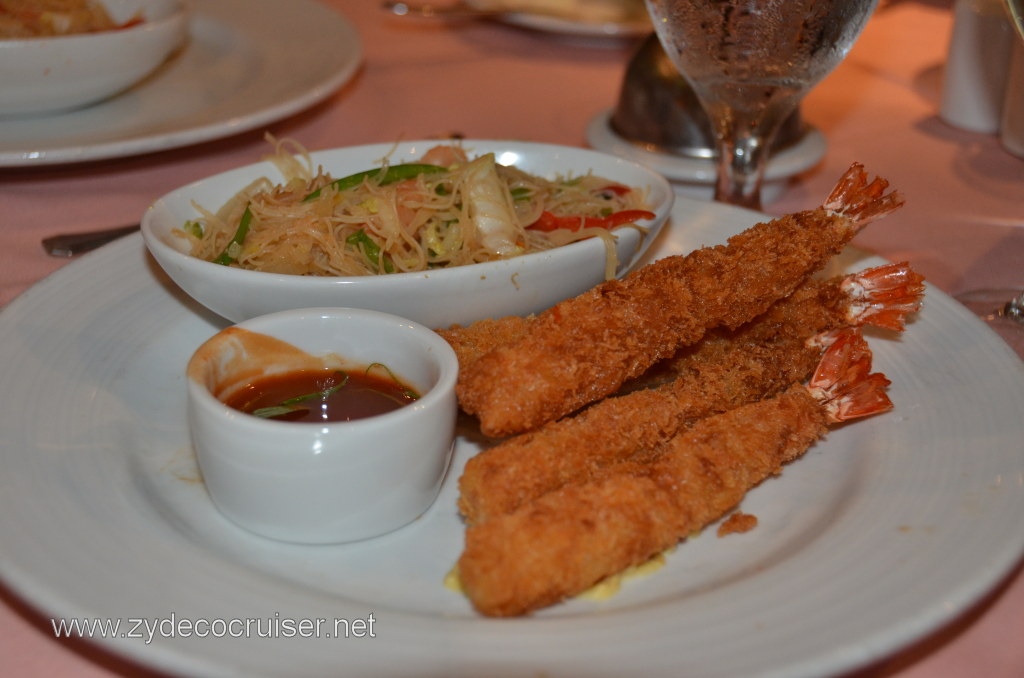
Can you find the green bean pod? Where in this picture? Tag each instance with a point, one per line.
(225, 256)
(382, 175)
(370, 250)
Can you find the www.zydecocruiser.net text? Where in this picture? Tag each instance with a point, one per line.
(149, 629)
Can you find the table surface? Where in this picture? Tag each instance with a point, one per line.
(962, 226)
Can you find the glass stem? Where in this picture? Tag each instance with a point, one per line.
(744, 140)
(741, 163)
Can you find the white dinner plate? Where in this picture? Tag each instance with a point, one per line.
(247, 63)
(883, 532)
(568, 26)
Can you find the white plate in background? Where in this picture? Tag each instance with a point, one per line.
(241, 68)
(568, 26)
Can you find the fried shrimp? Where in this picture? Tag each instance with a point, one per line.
(567, 540)
(585, 348)
(880, 296)
(573, 449)
(473, 341)
(721, 372)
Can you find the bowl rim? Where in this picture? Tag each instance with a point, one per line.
(155, 240)
(178, 12)
(443, 388)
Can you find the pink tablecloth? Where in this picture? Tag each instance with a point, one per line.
(962, 227)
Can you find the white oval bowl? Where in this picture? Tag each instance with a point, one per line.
(51, 74)
(335, 482)
(439, 298)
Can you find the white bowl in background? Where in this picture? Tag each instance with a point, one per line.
(318, 483)
(51, 74)
(438, 298)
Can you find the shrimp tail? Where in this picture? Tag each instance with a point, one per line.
(860, 200)
(883, 296)
(843, 382)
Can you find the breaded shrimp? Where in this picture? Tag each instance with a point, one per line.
(585, 348)
(500, 479)
(567, 540)
(722, 371)
(470, 342)
(880, 296)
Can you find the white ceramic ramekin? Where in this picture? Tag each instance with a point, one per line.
(331, 482)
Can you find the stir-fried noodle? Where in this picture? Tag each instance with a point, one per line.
(445, 210)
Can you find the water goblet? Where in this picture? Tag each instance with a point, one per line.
(1016, 9)
(1003, 309)
(750, 62)
(1013, 310)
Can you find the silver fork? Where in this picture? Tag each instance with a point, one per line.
(70, 244)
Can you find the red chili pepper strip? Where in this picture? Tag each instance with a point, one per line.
(551, 222)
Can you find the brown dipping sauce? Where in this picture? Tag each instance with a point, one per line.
(321, 396)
